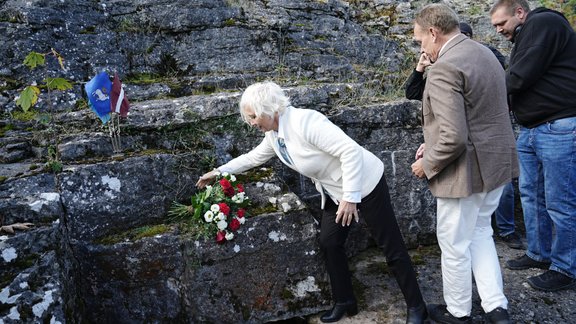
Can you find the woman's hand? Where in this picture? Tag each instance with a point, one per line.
(206, 178)
(346, 212)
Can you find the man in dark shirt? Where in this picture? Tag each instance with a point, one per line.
(541, 85)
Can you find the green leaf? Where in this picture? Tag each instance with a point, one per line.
(33, 59)
(28, 97)
(58, 84)
(208, 191)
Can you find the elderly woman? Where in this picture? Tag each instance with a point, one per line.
(351, 183)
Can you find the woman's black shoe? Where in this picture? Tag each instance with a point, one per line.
(417, 315)
(339, 309)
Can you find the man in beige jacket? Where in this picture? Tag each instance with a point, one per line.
(468, 156)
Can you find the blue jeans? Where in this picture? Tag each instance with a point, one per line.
(547, 156)
(505, 211)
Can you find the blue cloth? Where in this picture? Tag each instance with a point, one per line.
(284, 151)
(547, 156)
(98, 91)
(505, 211)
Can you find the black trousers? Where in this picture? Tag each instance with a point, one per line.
(376, 210)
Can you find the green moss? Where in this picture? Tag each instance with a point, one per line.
(230, 22)
(377, 268)
(24, 262)
(287, 294)
(548, 301)
(567, 7)
(2, 178)
(262, 209)
(81, 104)
(6, 128)
(128, 25)
(5, 279)
(417, 259)
(196, 230)
(359, 288)
(206, 90)
(135, 234)
(26, 313)
(142, 78)
(9, 84)
(196, 136)
(152, 151)
(24, 116)
(255, 175)
(88, 30)
(148, 231)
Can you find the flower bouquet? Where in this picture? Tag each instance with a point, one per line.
(217, 211)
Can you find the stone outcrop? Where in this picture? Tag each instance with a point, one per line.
(184, 65)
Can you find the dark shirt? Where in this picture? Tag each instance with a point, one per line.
(541, 78)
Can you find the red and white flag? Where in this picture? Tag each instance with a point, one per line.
(118, 100)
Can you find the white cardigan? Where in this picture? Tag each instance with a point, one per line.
(319, 150)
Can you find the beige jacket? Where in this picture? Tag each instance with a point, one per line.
(470, 145)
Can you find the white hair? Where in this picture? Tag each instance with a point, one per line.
(265, 98)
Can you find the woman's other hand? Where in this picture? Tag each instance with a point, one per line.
(346, 212)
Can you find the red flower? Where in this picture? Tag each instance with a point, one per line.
(227, 187)
(220, 237)
(234, 224)
(240, 187)
(241, 212)
(224, 208)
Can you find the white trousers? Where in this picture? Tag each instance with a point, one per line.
(464, 234)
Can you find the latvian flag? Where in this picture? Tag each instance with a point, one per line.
(118, 101)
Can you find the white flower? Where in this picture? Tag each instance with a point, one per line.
(215, 208)
(225, 174)
(209, 216)
(229, 236)
(237, 198)
(242, 220)
(222, 225)
(220, 217)
(232, 178)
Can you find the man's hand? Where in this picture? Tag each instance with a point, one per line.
(423, 62)
(418, 169)
(346, 212)
(420, 152)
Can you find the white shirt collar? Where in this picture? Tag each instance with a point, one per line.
(281, 117)
(443, 46)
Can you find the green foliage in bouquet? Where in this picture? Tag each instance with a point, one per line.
(217, 211)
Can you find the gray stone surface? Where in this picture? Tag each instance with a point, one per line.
(381, 302)
(184, 65)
